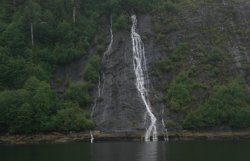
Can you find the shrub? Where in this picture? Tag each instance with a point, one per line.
(179, 93)
(92, 69)
(79, 93)
(24, 120)
(228, 106)
(28, 109)
(170, 124)
(179, 52)
(215, 55)
(14, 72)
(165, 6)
(161, 66)
(121, 22)
(10, 102)
(63, 55)
(172, 61)
(72, 119)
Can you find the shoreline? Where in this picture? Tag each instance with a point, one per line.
(74, 137)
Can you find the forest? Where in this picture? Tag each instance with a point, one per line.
(38, 36)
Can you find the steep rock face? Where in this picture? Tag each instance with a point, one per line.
(116, 108)
(239, 39)
(206, 25)
(120, 108)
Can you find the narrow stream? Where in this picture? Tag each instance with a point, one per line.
(140, 69)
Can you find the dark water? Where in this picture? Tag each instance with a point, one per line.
(131, 151)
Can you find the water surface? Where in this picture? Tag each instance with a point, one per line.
(130, 151)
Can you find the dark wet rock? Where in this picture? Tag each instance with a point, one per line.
(119, 109)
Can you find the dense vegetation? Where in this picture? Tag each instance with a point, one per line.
(38, 36)
(228, 106)
(198, 74)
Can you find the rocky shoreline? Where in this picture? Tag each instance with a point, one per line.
(56, 137)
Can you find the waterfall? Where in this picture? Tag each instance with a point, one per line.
(166, 138)
(98, 96)
(100, 89)
(91, 137)
(165, 130)
(140, 69)
(93, 109)
(108, 51)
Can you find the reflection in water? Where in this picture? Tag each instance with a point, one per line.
(130, 151)
(147, 151)
(114, 151)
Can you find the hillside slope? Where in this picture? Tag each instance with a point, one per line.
(70, 67)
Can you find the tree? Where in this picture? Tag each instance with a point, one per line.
(14, 72)
(43, 101)
(80, 94)
(13, 37)
(92, 69)
(227, 106)
(10, 103)
(72, 118)
(24, 120)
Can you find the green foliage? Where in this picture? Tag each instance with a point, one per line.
(80, 93)
(129, 5)
(32, 105)
(215, 55)
(122, 22)
(12, 37)
(63, 55)
(204, 97)
(10, 101)
(72, 119)
(172, 61)
(57, 40)
(92, 69)
(161, 66)
(24, 120)
(179, 93)
(43, 101)
(179, 53)
(227, 106)
(170, 124)
(28, 103)
(165, 6)
(32, 108)
(247, 76)
(14, 72)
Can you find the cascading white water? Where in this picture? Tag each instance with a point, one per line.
(140, 69)
(98, 96)
(91, 137)
(166, 138)
(93, 109)
(165, 130)
(100, 89)
(108, 51)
